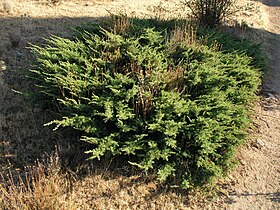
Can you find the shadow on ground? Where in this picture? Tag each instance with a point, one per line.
(271, 3)
(23, 138)
(274, 197)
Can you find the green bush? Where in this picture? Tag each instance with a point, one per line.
(170, 103)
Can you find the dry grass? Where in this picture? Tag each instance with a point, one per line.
(45, 186)
(185, 33)
(41, 187)
(112, 189)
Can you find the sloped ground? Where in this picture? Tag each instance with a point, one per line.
(23, 139)
(256, 182)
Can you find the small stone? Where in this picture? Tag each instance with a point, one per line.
(18, 54)
(258, 144)
(272, 97)
(242, 162)
(2, 66)
(230, 177)
(261, 143)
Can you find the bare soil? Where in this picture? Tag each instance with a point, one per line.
(256, 182)
(23, 138)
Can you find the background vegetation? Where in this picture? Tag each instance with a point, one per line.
(210, 13)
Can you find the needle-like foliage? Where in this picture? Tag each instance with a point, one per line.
(170, 103)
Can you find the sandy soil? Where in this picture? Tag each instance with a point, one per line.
(253, 185)
(256, 182)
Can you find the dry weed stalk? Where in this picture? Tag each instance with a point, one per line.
(175, 79)
(121, 24)
(185, 33)
(42, 187)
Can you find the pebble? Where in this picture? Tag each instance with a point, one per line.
(2, 66)
(272, 97)
(242, 162)
(259, 144)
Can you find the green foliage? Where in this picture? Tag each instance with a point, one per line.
(178, 107)
(229, 43)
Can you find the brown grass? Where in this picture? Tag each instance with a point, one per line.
(41, 187)
(45, 186)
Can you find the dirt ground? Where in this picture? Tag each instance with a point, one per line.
(255, 184)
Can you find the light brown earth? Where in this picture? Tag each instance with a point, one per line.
(256, 182)
(254, 185)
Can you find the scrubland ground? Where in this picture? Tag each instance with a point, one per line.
(24, 139)
(255, 183)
